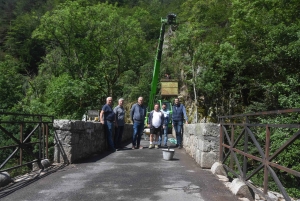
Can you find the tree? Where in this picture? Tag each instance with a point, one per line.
(265, 35)
(196, 46)
(11, 83)
(93, 44)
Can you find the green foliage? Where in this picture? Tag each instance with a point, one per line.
(96, 43)
(246, 60)
(21, 18)
(21, 46)
(64, 96)
(11, 83)
(235, 56)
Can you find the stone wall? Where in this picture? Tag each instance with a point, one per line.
(76, 140)
(201, 141)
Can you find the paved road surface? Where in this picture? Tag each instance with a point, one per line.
(127, 175)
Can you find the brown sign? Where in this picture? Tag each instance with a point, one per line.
(169, 88)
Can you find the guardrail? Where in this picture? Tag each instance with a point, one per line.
(244, 130)
(26, 136)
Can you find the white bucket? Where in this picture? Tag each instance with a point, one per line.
(168, 154)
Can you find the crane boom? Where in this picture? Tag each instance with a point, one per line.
(170, 20)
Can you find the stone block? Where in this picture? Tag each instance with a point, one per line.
(272, 196)
(81, 140)
(4, 179)
(89, 125)
(240, 189)
(78, 125)
(75, 139)
(198, 156)
(190, 129)
(89, 133)
(210, 129)
(62, 124)
(209, 144)
(35, 166)
(223, 178)
(98, 126)
(45, 163)
(218, 169)
(208, 159)
(62, 154)
(68, 140)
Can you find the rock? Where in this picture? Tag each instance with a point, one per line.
(227, 184)
(257, 197)
(45, 163)
(223, 178)
(272, 196)
(218, 169)
(244, 199)
(4, 179)
(35, 166)
(240, 189)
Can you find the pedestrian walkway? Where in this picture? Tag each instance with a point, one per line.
(128, 175)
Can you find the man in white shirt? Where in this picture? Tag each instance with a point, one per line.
(155, 123)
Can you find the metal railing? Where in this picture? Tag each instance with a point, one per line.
(18, 130)
(243, 130)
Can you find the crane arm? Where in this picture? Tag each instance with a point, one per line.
(170, 20)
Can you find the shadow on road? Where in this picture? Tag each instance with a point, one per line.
(25, 180)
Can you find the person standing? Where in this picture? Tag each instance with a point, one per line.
(137, 115)
(119, 123)
(178, 115)
(156, 124)
(107, 118)
(167, 118)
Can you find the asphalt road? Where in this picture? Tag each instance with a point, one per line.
(124, 175)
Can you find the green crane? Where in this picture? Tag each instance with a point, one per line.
(170, 20)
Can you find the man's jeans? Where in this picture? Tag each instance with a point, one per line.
(137, 134)
(165, 131)
(118, 136)
(108, 126)
(178, 129)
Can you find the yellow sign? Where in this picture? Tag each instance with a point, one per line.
(169, 88)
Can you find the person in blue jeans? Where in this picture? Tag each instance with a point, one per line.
(119, 124)
(167, 118)
(137, 115)
(107, 118)
(178, 115)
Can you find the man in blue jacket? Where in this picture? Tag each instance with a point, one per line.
(178, 115)
(138, 114)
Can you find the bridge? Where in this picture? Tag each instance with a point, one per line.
(127, 175)
(84, 170)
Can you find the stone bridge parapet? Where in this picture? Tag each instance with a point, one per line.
(201, 141)
(76, 140)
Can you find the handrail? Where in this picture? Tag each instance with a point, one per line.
(241, 124)
(40, 129)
